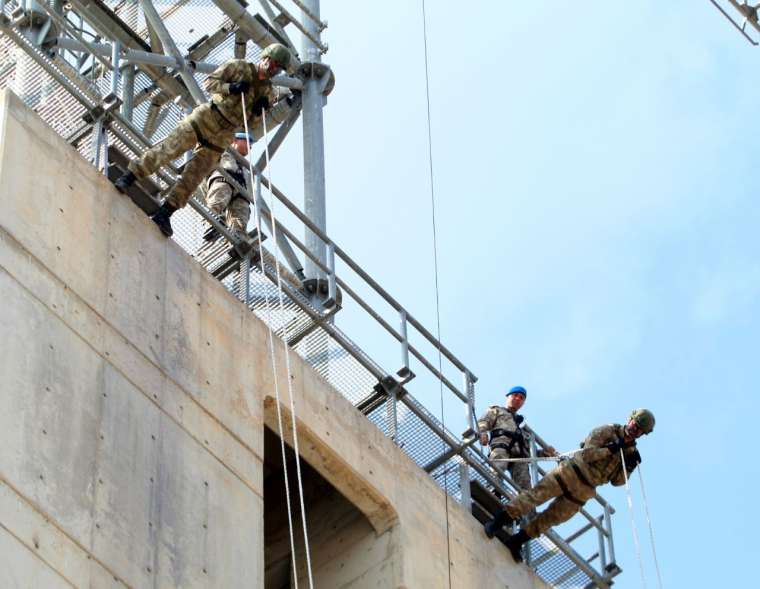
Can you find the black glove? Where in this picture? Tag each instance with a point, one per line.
(616, 446)
(632, 460)
(239, 87)
(519, 419)
(260, 105)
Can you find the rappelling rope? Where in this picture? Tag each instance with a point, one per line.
(651, 531)
(437, 299)
(633, 519)
(287, 359)
(269, 321)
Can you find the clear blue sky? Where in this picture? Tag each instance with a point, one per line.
(598, 226)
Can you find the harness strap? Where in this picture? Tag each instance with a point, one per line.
(566, 491)
(202, 140)
(218, 111)
(580, 474)
(515, 437)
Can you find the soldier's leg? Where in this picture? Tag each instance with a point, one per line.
(560, 510)
(200, 166)
(218, 197)
(238, 213)
(547, 488)
(521, 475)
(175, 144)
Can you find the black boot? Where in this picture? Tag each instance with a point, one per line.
(500, 519)
(515, 544)
(124, 181)
(161, 218)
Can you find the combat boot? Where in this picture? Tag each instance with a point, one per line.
(515, 544)
(500, 519)
(124, 181)
(162, 218)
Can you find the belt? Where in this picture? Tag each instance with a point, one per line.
(218, 111)
(202, 140)
(566, 491)
(581, 476)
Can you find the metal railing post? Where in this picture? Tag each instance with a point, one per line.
(608, 527)
(602, 549)
(332, 289)
(403, 372)
(128, 92)
(115, 70)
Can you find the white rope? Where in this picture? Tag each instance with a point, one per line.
(271, 351)
(437, 295)
(651, 531)
(633, 520)
(287, 358)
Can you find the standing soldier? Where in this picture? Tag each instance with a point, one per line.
(222, 196)
(500, 428)
(210, 127)
(574, 481)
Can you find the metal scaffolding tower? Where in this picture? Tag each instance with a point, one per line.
(113, 77)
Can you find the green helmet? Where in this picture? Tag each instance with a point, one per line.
(277, 53)
(644, 418)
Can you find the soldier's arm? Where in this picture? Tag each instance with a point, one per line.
(485, 423)
(218, 81)
(594, 444)
(632, 460)
(219, 190)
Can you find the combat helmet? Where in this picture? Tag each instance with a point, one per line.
(644, 418)
(277, 53)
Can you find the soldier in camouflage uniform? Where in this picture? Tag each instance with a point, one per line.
(222, 196)
(574, 481)
(500, 428)
(210, 127)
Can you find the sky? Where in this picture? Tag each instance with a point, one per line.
(597, 231)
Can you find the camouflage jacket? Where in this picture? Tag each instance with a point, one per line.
(231, 166)
(218, 85)
(499, 418)
(601, 465)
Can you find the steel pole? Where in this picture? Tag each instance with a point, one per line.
(313, 147)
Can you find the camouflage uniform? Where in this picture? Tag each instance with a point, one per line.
(574, 481)
(222, 196)
(513, 443)
(209, 128)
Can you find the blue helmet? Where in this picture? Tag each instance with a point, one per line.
(244, 136)
(518, 391)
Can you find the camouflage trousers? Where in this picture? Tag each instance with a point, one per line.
(564, 486)
(206, 132)
(219, 199)
(519, 471)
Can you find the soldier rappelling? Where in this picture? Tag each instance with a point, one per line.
(210, 127)
(603, 455)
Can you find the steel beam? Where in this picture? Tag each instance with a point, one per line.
(170, 48)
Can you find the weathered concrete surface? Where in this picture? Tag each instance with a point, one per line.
(134, 390)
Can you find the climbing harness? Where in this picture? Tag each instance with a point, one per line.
(257, 208)
(437, 298)
(633, 521)
(651, 531)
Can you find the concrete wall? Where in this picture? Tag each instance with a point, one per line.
(134, 390)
